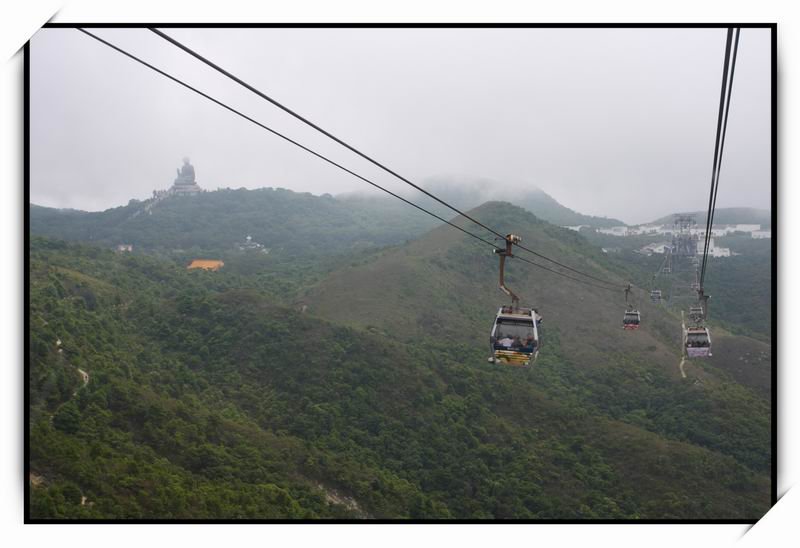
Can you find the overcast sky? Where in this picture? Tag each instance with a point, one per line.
(614, 122)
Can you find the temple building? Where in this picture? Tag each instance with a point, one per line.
(185, 183)
(250, 245)
(206, 264)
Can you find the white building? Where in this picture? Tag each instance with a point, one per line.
(745, 228)
(614, 231)
(715, 251)
(250, 245)
(658, 248)
(645, 229)
(664, 230)
(576, 228)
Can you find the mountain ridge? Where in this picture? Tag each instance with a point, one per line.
(726, 216)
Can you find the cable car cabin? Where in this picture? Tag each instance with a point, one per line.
(655, 295)
(696, 313)
(515, 337)
(631, 320)
(698, 342)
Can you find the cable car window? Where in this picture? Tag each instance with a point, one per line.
(697, 339)
(517, 334)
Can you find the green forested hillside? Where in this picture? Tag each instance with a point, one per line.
(289, 224)
(286, 222)
(740, 286)
(443, 288)
(211, 395)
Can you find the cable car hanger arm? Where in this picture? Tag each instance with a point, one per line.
(510, 240)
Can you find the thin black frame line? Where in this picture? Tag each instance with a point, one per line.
(381, 521)
(26, 275)
(774, 261)
(385, 25)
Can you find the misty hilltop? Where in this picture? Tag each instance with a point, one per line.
(470, 192)
(281, 219)
(727, 216)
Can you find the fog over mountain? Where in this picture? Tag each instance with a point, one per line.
(609, 122)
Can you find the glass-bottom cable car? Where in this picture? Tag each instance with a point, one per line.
(515, 336)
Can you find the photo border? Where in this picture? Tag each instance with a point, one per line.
(774, 275)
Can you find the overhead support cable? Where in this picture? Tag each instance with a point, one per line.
(282, 136)
(579, 280)
(311, 124)
(722, 126)
(617, 286)
(362, 178)
(315, 126)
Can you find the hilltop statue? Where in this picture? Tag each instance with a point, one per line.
(186, 172)
(185, 181)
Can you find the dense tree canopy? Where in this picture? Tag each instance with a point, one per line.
(343, 374)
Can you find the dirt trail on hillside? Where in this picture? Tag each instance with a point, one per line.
(683, 349)
(36, 480)
(84, 377)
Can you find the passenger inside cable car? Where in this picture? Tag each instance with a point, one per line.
(698, 339)
(513, 334)
(698, 342)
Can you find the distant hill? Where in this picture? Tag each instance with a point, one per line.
(470, 192)
(728, 216)
(444, 289)
(435, 273)
(282, 220)
(277, 218)
(546, 207)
